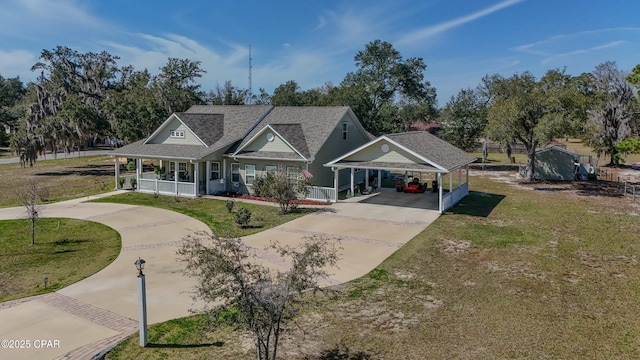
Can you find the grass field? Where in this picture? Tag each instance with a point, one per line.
(65, 251)
(63, 179)
(508, 273)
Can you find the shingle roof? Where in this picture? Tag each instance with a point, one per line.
(208, 127)
(294, 135)
(220, 127)
(314, 124)
(139, 148)
(433, 148)
(238, 119)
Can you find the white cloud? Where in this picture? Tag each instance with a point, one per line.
(17, 63)
(562, 47)
(423, 34)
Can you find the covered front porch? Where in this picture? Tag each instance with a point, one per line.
(177, 177)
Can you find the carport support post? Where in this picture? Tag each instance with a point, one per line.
(366, 179)
(450, 183)
(379, 178)
(440, 207)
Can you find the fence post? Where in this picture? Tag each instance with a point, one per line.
(625, 189)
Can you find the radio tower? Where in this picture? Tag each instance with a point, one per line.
(250, 91)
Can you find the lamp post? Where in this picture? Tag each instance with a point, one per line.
(142, 303)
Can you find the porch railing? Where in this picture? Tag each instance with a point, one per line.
(452, 198)
(165, 187)
(320, 193)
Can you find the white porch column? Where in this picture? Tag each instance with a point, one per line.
(224, 171)
(196, 177)
(440, 207)
(450, 183)
(206, 177)
(459, 176)
(176, 175)
(352, 181)
(117, 162)
(379, 178)
(336, 182)
(138, 172)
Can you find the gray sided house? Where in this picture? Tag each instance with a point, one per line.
(213, 149)
(556, 163)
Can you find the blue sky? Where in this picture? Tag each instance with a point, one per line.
(314, 41)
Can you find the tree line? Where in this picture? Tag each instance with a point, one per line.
(81, 98)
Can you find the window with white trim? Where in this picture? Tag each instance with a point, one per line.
(214, 174)
(271, 169)
(249, 174)
(235, 172)
(344, 131)
(177, 134)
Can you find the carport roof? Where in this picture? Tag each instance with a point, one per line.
(419, 151)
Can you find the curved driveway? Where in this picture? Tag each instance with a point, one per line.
(96, 313)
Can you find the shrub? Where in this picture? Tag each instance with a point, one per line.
(243, 217)
(134, 182)
(131, 166)
(230, 204)
(121, 182)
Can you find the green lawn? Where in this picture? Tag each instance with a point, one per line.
(507, 273)
(213, 212)
(63, 179)
(65, 251)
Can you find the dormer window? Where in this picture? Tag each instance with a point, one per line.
(177, 134)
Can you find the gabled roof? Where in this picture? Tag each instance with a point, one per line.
(433, 153)
(306, 128)
(290, 134)
(434, 149)
(217, 127)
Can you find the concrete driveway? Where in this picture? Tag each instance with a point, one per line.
(96, 313)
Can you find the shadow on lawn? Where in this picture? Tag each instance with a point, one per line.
(184, 346)
(341, 354)
(86, 170)
(477, 204)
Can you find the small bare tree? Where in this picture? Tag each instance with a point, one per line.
(29, 196)
(264, 300)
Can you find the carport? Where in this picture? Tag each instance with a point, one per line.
(416, 151)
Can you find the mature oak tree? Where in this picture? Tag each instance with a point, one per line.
(612, 119)
(383, 86)
(528, 111)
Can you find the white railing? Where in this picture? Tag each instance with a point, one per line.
(452, 198)
(320, 193)
(165, 187)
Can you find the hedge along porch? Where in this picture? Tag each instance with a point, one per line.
(417, 151)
